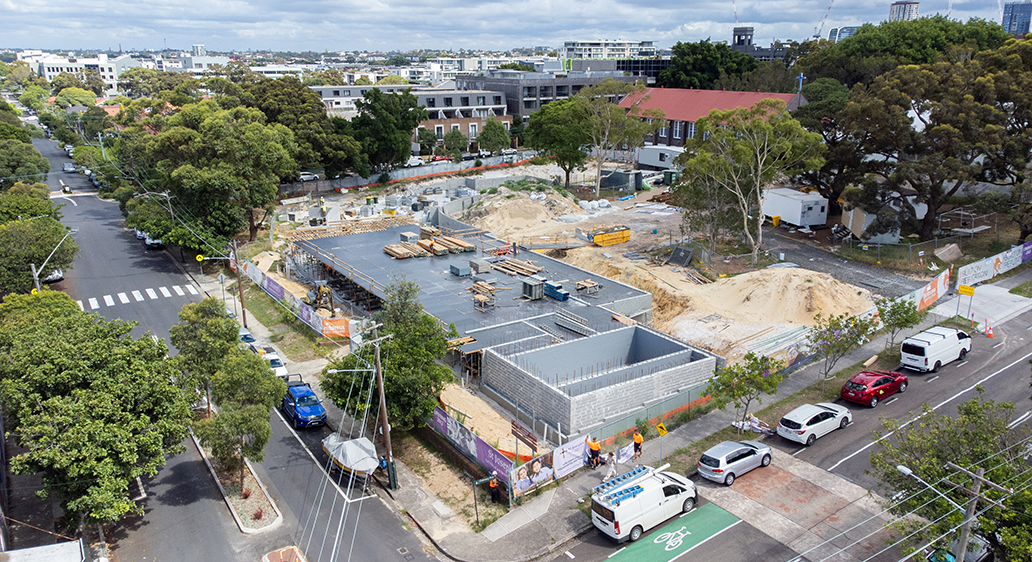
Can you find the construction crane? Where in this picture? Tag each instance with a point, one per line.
(820, 27)
(735, 7)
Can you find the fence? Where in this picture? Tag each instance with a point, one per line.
(909, 253)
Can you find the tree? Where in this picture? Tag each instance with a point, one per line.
(22, 202)
(31, 241)
(708, 208)
(233, 173)
(245, 390)
(204, 336)
(384, 126)
(833, 337)
(75, 96)
(561, 129)
(978, 435)
(744, 150)
(610, 126)
(398, 60)
(93, 82)
(94, 408)
(897, 315)
(363, 81)
(744, 382)
(768, 76)
(516, 66)
(455, 141)
(494, 136)
(33, 97)
(16, 132)
(392, 79)
(698, 65)
(427, 140)
(18, 72)
(19, 161)
(141, 82)
(65, 80)
(412, 377)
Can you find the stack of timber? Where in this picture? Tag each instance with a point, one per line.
(482, 288)
(588, 286)
(429, 232)
(695, 276)
(514, 267)
(404, 250)
(667, 198)
(432, 247)
(454, 245)
(343, 228)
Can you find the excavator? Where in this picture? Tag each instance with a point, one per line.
(320, 297)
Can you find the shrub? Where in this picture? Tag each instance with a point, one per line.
(258, 514)
(478, 163)
(643, 426)
(245, 493)
(384, 178)
(492, 191)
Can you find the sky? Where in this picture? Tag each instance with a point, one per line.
(383, 25)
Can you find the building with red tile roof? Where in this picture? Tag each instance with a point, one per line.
(682, 108)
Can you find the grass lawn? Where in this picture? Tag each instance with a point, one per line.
(296, 340)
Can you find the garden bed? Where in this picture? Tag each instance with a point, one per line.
(253, 510)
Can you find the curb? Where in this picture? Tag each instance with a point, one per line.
(225, 497)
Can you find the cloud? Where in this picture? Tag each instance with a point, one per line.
(342, 25)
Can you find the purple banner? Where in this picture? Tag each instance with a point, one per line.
(274, 289)
(548, 468)
(470, 445)
(1026, 252)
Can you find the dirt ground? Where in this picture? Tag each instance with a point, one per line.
(484, 420)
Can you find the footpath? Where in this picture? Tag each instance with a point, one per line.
(545, 524)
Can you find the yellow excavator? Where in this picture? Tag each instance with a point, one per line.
(320, 297)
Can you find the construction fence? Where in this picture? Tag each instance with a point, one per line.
(910, 253)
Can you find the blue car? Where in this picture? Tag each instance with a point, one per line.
(301, 406)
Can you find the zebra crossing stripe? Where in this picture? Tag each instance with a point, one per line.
(151, 294)
(191, 289)
(80, 306)
(178, 290)
(164, 292)
(137, 296)
(94, 305)
(108, 300)
(124, 298)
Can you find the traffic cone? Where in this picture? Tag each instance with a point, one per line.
(988, 329)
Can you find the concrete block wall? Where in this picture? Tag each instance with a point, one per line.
(638, 307)
(520, 387)
(455, 207)
(619, 400)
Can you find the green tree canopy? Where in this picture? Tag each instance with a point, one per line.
(455, 141)
(897, 315)
(494, 137)
(398, 60)
(30, 241)
(392, 79)
(427, 140)
(768, 76)
(20, 162)
(745, 382)
(25, 204)
(384, 127)
(141, 82)
(204, 336)
(93, 407)
(516, 66)
(561, 129)
(412, 377)
(832, 337)
(699, 65)
(363, 81)
(66, 80)
(33, 97)
(75, 96)
(18, 133)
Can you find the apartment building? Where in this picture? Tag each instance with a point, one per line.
(607, 49)
(49, 66)
(526, 92)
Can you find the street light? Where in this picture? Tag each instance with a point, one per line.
(907, 472)
(35, 272)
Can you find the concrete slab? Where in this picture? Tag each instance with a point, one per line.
(790, 495)
(772, 523)
(812, 547)
(989, 302)
(519, 517)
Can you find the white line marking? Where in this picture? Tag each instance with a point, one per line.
(137, 296)
(932, 379)
(997, 345)
(797, 452)
(1029, 328)
(892, 400)
(151, 294)
(939, 405)
(617, 552)
(962, 363)
(143, 493)
(191, 289)
(178, 290)
(108, 300)
(165, 292)
(94, 305)
(80, 306)
(316, 461)
(570, 555)
(124, 298)
(1018, 421)
(704, 541)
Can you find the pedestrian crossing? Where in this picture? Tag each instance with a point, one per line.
(147, 294)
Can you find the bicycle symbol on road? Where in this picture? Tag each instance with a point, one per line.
(673, 539)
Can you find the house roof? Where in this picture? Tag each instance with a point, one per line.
(691, 105)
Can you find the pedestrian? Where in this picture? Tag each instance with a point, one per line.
(638, 440)
(594, 452)
(493, 485)
(611, 463)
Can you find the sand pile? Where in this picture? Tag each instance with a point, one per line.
(789, 295)
(521, 216)
(484, 420)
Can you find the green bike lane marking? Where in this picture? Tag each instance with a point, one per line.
(679, 536)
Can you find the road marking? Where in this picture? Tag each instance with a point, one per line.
(143, 493)
(704, 541)
(94, 305)
(939, 405)
(108, 300)
(892, 400)
(932, 379)
(124, 298)
(962, 363)
(138, 296)
(191, 289)
(80, 306)
(797, 452)
(1018, 421)
(570, 555)
(152, 294)
(617, 552)
(178, 290)
(997, 345)
(165, 292)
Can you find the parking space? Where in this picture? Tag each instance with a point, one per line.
(680, 536)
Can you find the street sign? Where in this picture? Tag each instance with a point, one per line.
(221, 278)
(661, 429)
(966, 290)
(200, 257)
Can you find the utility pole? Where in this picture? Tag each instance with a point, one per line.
(240, 283)
(969, 515)
(392, 473)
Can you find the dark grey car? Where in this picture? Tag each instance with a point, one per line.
(731, 459)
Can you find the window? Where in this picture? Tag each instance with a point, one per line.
(677, 129)
(546, 91)
(562, 91)
(464, 101)
(336, 93)
(506, 125)
(529, 91)
(472, 131)
(691, 130)
(439, 131)
(454, 127)
(662, 157)
(447, 102)
(662, 130)
(528, 104)
(498, 100)
(481, 100)
(431, 102)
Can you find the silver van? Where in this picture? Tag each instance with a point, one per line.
(630, 504)
(933, 348)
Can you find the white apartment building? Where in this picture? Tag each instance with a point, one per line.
(607, 49)
(903, 11)
(49, 66)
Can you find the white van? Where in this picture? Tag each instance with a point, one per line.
(933, 348)
(632, 503)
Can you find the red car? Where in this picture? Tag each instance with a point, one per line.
(871, 387)
(440, 159)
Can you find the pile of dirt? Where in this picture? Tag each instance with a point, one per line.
(484, 420)
(520, 216)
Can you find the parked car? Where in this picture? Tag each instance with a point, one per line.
(469, 156)
(69, 148)
(414, 161)
(729, 460)
(871, 387)
(509, 152)
(808, 422)
(301, 405)
(55, 276)
(69, 166)
(140, 235)
(933, 348)
(308, 176)
(276, 364)
(152, 243)
(246, 336)
(625, 507)
(441, 159)
(484, 154)
(978, 550)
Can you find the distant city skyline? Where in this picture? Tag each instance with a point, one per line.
(348, 25)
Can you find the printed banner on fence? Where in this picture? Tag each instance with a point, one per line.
(336, 327)
(1026, 252)
(975, 272)
(549, 467)
(470, 445)
(934, 290)
(996, 265)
